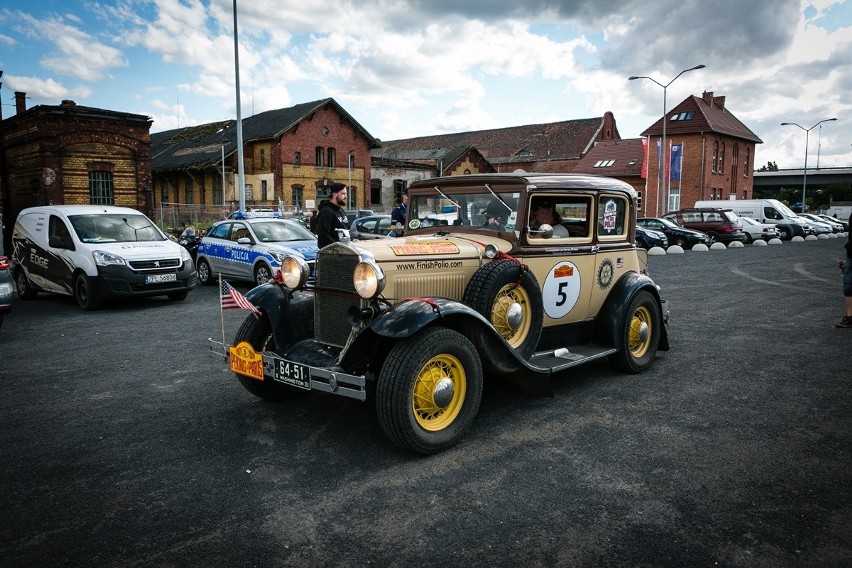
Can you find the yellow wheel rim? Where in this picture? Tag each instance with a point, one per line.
(439, 392)
(639, 334)
(511, 295)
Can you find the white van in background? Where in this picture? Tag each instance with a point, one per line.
(770, 211)
(96, 252)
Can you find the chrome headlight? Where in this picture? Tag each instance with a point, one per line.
(104, 258)
(369, 280)
(294, 272)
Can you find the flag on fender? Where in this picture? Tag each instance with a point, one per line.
(231, 299)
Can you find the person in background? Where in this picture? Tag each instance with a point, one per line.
(312, 222)
(846, 267)
(400, 211)
(332, 216)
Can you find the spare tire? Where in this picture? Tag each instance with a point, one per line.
(508, 295)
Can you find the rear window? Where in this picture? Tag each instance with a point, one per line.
(730, 216)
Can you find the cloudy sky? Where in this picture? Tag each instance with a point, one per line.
(405, 68)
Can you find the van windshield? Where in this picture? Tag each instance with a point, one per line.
(114, 228)
(786, 210)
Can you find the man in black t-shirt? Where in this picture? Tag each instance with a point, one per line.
(332, 216)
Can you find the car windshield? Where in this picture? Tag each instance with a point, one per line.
(279, 231)
(670, 224)
(497, 211)
(115, 228)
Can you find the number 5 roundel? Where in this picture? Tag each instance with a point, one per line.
(561, 289)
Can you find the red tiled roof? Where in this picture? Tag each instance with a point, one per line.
(709, 115)
(626, 157)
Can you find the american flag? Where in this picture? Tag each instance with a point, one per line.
(232, 299)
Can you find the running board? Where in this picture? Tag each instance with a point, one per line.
(557, 360)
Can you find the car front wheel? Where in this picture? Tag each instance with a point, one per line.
(429, 390)
(84, 294)
(640, 334)
(257, 331)
(262, 274)
(205, 274)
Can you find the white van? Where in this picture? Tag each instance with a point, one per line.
(96, 252)
(770, 211)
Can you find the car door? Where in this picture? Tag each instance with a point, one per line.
(213, 246)
(239, 256)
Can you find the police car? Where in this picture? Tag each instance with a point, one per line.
(251, 248)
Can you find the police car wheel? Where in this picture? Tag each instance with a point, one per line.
(262, 273)
(258, 332)
(205, 274)
(639, 335)
(428, 390)
(85, 294)
(23, 286)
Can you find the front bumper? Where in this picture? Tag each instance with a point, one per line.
(121, 281)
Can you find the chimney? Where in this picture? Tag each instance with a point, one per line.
(708, 97)
(66, 103)
(719, 102)
(20, 102)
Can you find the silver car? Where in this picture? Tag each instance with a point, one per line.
(372, 227)
(756, 230)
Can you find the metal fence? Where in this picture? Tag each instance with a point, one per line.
(177, 215)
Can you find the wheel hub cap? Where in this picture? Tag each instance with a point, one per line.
(443, 392)
(514, 316)
(643, 331)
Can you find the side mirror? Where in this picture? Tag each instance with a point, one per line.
(55, 241)
(244, 241)
(544, 231)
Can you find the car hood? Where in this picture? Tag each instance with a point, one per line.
(307, 248)
(142, 250)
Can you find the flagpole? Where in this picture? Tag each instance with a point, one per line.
(241, 177)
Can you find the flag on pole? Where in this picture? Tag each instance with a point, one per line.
(231, 299)
(644, 170)
(676, 161)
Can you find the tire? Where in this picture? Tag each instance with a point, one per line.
(262, 273)
(681, 242)
(434, 363)
(748, 238)
(510, 298)
(786, 233)
(23, 287)
(84, 294)
(639, 336)
(642, 244)
(178, 296)
(205, 273)
(258, 332)
(712, 237)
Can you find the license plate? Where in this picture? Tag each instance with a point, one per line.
(293, 374)
(158, 278)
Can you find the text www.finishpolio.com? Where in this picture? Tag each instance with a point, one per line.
(430, 265)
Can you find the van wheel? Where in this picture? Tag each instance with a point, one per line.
(257, 331)
(639, 335)
(84, 294)
(23, 286)
(262, 273)
(510, 298)
(205, 274)
(428, 390)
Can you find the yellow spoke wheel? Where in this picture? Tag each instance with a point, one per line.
(639, 334)
(510, 314)
(439, 392)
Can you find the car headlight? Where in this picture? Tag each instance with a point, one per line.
(278, 256)
(104, 258)
(294, 272)
(369, 280)
(184, 255)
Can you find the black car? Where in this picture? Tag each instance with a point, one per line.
(650, 238)
(677, 235)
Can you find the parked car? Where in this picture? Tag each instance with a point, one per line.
(676, 235)
(414, 323)
(373, 227)
(353, 214)
(649, 238)
(834, 222)
(721, 225)
(755, 230)
(819, 225)
(252, 249)
(7, 290)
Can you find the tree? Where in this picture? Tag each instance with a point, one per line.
(769, 167)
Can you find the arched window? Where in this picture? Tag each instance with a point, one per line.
(715, 157)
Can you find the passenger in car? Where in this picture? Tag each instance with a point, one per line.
(544, 212)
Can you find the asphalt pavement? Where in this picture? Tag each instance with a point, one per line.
(124, 441)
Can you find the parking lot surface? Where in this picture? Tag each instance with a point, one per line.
(125, 442)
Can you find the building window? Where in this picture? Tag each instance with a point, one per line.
(747, 159)
(332, 158)
(297, 196)
(715, 157)
(263, 159)
(376, 191)
(218, 197)
(722, 160)
(297, 159)
(683, 116)
(100, 188)
(674, 199)
(249, 192)
(399, 186)
(188, 190)
(320, 153)
(164, 191)
(263, 196)
(639, 201)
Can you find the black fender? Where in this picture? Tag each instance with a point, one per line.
(610, 318)
(406, 318)
(291, 314)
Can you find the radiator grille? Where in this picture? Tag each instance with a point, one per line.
(155, 264)
(335, 266)
(449, 286)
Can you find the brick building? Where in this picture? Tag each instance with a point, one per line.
(717, 150)
(70, 154)
(620, 159)
(290, 156)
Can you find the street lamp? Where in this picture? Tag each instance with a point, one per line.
(805, 173)
(349, 187)
(663, 140)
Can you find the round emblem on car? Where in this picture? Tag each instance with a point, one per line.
(605, 273)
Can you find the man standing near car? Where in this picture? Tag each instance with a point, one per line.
(846, 267)
(332, 216)
(399, 212)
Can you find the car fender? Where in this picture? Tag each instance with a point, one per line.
(291, 314)
(611, 317)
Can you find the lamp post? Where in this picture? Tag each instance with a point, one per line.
(349, 187)
(663, 148)
(805, 172)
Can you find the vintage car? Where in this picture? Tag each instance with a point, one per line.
(478, 285)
